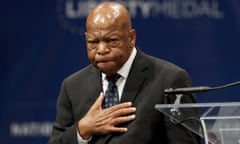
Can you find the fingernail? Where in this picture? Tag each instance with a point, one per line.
(129, 103)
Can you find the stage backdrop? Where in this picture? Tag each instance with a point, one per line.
(42, 42)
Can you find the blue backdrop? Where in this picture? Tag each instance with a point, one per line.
(41, 42)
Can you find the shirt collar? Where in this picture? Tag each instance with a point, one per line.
(124, 70)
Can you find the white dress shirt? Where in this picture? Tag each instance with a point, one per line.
(123, 71)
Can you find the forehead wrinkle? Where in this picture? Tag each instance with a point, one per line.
(102, 33)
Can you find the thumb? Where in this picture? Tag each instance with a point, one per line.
(99, 101)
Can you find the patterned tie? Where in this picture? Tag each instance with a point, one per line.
(111, 95)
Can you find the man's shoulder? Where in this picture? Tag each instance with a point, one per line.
(162, 64)
(81, 74)
(166, 70)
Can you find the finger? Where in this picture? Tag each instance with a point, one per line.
(124, 111)
(124, 119)
(118, 129)
(120, 106)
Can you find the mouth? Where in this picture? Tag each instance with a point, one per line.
(103, 61)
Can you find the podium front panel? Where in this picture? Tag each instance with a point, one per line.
(218, 123)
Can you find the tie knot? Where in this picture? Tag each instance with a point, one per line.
(113, 78)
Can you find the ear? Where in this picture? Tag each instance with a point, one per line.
(132, 37)
(85, 35)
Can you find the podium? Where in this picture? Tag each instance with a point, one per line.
(217, 123)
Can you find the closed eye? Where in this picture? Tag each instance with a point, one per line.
(93, 41)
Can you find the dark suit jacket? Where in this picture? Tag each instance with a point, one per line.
(146, 82)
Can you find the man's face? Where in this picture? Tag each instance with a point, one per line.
(109, 47)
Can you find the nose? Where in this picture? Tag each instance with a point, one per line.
(102, 48)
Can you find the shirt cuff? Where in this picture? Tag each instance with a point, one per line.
(80, 140)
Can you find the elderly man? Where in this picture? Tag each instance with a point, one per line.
(112, 100)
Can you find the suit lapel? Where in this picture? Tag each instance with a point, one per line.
(96, 86)
(136, 78)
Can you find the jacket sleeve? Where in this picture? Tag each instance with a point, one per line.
(176, 133)
(65, 128)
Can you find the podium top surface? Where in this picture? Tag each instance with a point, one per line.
(198, 105)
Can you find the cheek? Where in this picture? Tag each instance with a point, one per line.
(91, 56)
(123, 56)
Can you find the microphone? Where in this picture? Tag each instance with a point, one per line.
(189, 90)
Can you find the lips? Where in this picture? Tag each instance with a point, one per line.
(103, 62)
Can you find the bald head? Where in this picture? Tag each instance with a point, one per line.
(109, 37)
(109, 14)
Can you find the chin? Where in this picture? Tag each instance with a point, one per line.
(107, 70)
